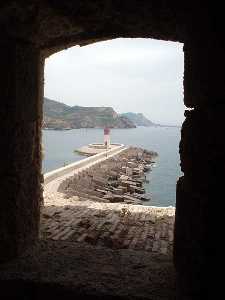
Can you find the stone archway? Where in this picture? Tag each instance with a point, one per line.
(34, 31)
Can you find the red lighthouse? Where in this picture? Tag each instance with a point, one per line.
(107, 137)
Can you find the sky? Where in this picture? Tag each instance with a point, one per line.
(130, 75)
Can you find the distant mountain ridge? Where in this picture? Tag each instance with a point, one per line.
(138, 119)
(61, 116)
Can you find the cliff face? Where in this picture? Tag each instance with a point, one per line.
(138, 119)
(61, 116)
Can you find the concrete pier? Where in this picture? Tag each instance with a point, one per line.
(96, 148)
(81, 164)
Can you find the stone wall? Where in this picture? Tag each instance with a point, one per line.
(202, 152)
(20, 172)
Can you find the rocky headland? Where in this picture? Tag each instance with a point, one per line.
(60, 116)
(138, 119)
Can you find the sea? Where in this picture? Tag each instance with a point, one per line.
(59, 146)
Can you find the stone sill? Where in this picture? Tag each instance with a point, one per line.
(64, 270)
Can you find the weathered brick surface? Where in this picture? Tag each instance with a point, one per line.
(112, 225)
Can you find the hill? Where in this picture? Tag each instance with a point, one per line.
(61, 116)
(138, 119)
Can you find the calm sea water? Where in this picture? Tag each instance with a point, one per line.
(59, 149)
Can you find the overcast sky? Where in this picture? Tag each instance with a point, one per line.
(137, 75)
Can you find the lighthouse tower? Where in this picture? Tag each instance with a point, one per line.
(107, 137)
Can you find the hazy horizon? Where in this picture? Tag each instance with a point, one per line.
(129, 75)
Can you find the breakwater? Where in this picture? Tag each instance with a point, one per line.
(119, 178)
(75, 212)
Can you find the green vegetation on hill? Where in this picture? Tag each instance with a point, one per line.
(61, 116)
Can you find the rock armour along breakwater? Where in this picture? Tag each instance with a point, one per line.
(117, 179)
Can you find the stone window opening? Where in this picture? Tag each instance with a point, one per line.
(116, 227)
